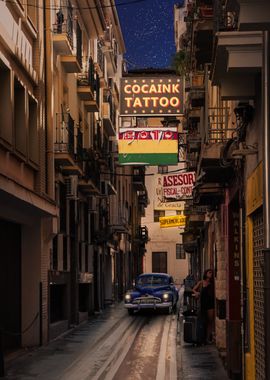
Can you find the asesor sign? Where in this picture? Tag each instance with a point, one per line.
(151, 96)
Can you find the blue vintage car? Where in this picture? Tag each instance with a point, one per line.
(152, 291)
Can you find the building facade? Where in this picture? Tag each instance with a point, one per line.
(226, 44)
(70, 215)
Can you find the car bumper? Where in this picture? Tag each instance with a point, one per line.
(140, 306)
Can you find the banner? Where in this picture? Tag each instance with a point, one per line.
(172, 221)
(151, 96)
(174, 187)
(148, 146)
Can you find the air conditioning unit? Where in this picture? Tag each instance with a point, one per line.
(71, 186)
(92, 205)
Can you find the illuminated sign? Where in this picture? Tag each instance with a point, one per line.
(148, 146)
(172, 221)
(151, 96)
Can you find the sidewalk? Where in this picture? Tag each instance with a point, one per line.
(198, 362)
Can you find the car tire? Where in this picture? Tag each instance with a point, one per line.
(130, 312)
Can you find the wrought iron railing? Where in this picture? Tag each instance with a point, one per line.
(64, 134)
(225, 17)
(64, 24)
(79, 44)
(219, 129)
(100, 56)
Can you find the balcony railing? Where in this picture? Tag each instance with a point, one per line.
(64, 134)
(218, 124)
(68, 137)
(64, 24)
(88, 76)
(225, 18)
(100, 57)
(142, 234)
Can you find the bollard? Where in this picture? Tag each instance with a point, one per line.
(2, 365)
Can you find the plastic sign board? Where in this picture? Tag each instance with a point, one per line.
(151, 96)
(172, 221)
(159, 201)
(148, 146)
(174, 187)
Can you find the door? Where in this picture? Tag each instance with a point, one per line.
(159, 262)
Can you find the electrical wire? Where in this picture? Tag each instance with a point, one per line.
(73, 7)
(145, 174)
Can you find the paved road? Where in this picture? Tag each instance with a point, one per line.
(113, 346)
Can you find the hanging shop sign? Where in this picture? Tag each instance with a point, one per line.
(148, 146)
(142, 96)
(172, 221)
(174, 187)
(159, 202)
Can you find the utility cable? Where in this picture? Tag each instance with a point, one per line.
(76, 8)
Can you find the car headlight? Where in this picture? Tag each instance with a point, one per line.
(127, 297)
(165, 296)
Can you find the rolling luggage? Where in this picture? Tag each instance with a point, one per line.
(194, 330)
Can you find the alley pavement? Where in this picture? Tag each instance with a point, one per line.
(193, 363)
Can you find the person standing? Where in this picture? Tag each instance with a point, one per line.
(204, 291)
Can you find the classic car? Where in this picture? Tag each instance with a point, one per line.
(152, 291)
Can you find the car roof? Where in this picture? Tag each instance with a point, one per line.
(154, 274)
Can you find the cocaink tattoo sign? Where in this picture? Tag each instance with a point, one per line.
(144, 96)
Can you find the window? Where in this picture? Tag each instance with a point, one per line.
(180, 253)
(33, 131)
(158, 214)
(6, 110)
(162, 169)
(19, 117)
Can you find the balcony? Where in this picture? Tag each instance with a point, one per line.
(108, 114)
(139, 178)
(143, 198)
(254, 15)
(86, 81)
(194, 142)
(100, 63)
(237, 56)
(63, 34)
(67, 145)
(93, 104)
(70, 63)
(209, 194)
(141, 234)
(89, 183)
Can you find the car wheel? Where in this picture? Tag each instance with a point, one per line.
(130, 312)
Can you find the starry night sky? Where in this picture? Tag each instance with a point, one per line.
(148, 32)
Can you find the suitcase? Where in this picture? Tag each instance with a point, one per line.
(194, 330)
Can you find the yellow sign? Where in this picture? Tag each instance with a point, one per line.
(172, 221)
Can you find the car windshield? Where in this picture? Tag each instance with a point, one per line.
(152, 280)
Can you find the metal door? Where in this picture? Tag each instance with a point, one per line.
(258, 263)
(159, 262)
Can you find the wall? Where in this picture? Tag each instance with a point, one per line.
(162, 239)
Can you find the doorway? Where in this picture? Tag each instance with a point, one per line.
(159, 262)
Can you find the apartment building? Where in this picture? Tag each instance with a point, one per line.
(28, 212)
(227, 69)
(70, 215)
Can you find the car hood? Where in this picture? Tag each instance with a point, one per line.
(152, 289)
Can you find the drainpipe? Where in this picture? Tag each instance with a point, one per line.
(266, 197)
